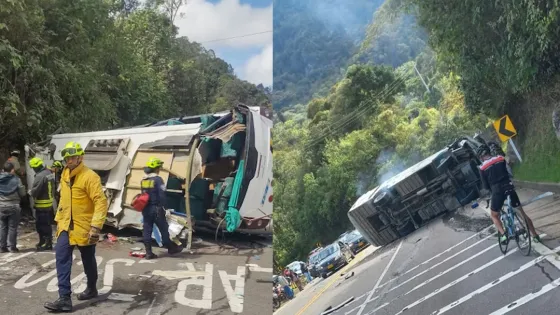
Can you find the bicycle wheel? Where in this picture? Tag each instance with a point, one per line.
(522, 235)
(503, 247)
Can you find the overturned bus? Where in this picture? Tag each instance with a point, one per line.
(442, 182)
(213, 164)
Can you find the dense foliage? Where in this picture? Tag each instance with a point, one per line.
(484, 57)
(501, 49)
(88, 65)
(314, 42)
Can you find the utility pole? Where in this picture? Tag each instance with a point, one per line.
(421, 78)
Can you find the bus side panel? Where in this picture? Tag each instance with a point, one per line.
(256, 203)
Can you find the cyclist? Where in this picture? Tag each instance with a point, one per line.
(496, 178)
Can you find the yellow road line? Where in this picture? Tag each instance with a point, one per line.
(352, 263)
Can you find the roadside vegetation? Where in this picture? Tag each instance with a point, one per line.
(392, 108)
(89, 65)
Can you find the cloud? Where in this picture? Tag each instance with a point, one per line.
(258, 68)
(205, 21)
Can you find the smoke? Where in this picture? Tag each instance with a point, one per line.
(390, 164)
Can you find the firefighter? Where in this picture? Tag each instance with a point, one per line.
(43, 194)
(80, 216)
(154, 212)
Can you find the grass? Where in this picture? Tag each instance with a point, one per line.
(537, 142)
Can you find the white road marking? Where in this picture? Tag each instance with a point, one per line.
(8, 258)
(234, 296)
(53, 285)
(491, 247)
(22, 282)
(446, 260)
(380, 278)
(447, 286)
(444, 252)
(205, 283)
(110, 273)
(256, 268)
(431, 279)
(511, 306)
(490, 285)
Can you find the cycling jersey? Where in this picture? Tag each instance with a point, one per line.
(496, 177)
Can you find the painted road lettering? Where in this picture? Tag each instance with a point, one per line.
(205, 283)
(234, 296)
(189, 279)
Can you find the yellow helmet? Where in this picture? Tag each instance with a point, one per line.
(35, 162)
(57, 164)
(72, 149)
(154, 162)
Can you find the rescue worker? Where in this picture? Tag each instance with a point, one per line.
(80, 216)
(43, 193)
(154, 212)
(11, 192)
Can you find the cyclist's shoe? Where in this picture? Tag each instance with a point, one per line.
(503, 239)
(537, 239)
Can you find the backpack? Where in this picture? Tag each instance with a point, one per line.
(140, 201)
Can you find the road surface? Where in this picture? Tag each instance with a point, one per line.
(451, 266)
(234, 277)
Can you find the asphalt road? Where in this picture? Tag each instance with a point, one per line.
(215, 278)
(451, 266)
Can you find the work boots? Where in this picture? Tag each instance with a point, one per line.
(173, 248)
(149, 253)
(45, 243)
(63, 304)
(41, 243)
(88, 294)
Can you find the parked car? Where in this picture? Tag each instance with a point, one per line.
(312, 262)
(354, 240)
(332, 258)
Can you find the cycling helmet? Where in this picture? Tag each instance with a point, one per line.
(35, 162)
(57, 164)
(15, 153)
(72, 149)
(496, 149)
(482, 151)
(154, 162)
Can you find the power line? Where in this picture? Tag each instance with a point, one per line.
(234, 37)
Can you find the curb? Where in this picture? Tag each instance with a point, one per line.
(553, 187)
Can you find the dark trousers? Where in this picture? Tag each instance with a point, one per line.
(64, 264)
(9, 221)
(151, 216)
(43, 222)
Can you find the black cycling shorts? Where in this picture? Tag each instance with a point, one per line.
(499, 198)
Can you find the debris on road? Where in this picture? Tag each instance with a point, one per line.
(178, 274)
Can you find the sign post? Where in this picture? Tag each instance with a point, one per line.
(505, 129)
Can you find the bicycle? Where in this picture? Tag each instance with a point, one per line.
(514, 228)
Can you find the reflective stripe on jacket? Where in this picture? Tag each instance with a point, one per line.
(82, 204)
(43, 189)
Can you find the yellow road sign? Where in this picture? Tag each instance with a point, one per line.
(505, 129)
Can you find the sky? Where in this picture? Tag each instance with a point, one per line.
(210, 21)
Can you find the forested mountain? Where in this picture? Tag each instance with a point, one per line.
(464, 65)
(89, 65)
(314, 42)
